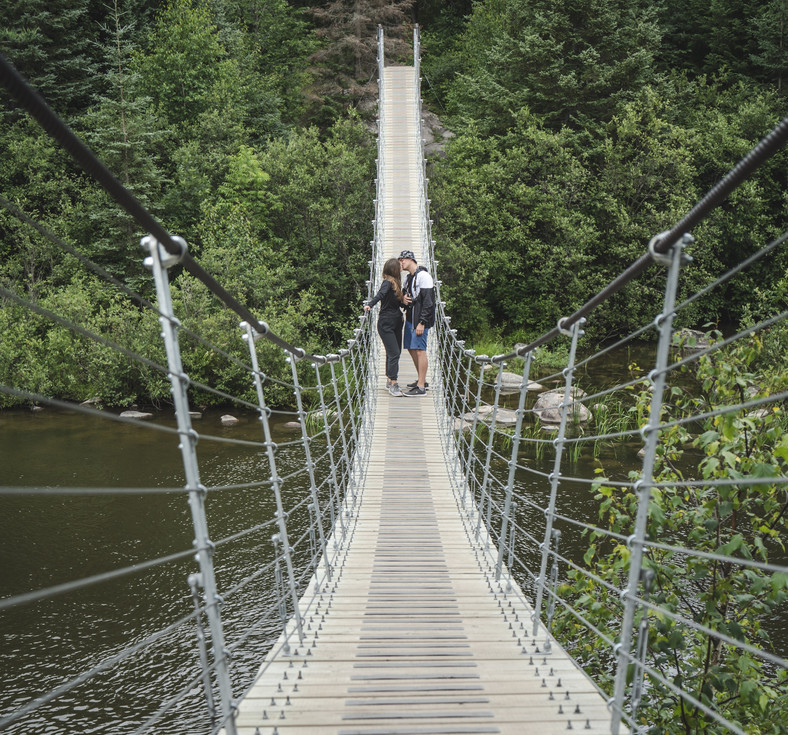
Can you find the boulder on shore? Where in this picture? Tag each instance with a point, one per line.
(692, 340)
(462, 424)
(134, 414)
(510, 382)
(547, 408)
(504, 417)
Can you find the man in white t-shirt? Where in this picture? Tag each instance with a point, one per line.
(420, 287)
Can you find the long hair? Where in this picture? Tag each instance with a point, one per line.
(391, 273)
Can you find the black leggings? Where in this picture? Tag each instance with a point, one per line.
(390, 331)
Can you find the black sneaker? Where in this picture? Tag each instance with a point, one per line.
(415, 392)
(415, 384)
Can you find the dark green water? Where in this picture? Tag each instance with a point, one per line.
(52, 539)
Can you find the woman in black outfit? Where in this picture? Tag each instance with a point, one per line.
(390, 320)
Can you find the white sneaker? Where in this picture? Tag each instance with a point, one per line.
(394, 389)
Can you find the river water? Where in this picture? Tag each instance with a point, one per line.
(49, 539)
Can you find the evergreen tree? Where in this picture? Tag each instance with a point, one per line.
(274, 42)
(199, 90)
(127, 137)
(187, 71)
(51, 43)
(728, 31)
(770, 33)
(571, 63)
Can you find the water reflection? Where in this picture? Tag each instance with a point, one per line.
(52, 539)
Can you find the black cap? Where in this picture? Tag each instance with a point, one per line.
(407, 254)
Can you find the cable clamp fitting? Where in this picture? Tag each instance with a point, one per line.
(667, 257)
(661, 258)
(561, 328)
(166, 259)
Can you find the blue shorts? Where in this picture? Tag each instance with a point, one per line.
(412, 340)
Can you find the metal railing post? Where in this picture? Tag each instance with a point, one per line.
(337, 493)
(381, 56)
(202, 646)
(159, 261)
(281, 595)
(354, 454)
(455, 413)
(276, 481)
(518, 428)
(510, 563)
(642, 645)
(469, 464)
(556, 473)
(485, 491)
(346, 479)
(650, 433)
(556, 537)
(310, 467)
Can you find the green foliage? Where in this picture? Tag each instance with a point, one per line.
(52, 360)
(289, 227)
(768, 29)
(745, 521)
(273, 41)
(583, 130)
(571, 63)
(738, 39)
(187, 72)
(511, 228)
(532, 222)
(190, 119)
(52, 45)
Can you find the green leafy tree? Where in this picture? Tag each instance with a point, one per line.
(512, 233)
(745, 521)
(286, 233)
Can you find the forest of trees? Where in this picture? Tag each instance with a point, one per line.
(580, 130)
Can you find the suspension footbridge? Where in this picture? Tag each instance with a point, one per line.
(417, 575)
(416, 633)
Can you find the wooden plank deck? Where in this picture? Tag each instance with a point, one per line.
(415, 636)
